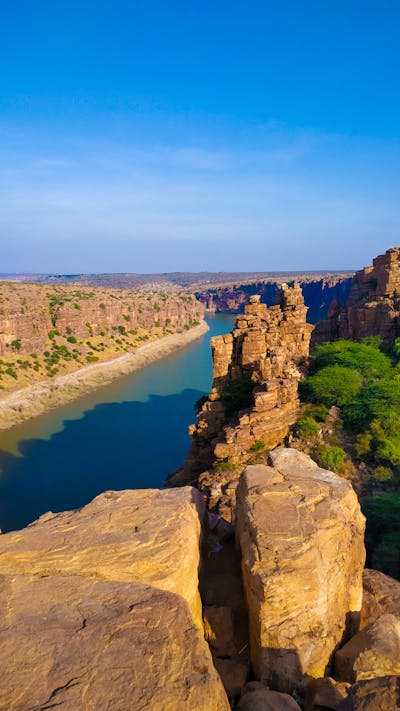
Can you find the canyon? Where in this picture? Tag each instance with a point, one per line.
(242, 584)
(57, 342)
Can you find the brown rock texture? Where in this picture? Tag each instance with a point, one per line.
(48, 330)
(373, 307)
(29, 311)
(147, 536)
(84, 644)
(382, 694)
(301, 530)
(262, 354)
(103, 610)
(373, 652)
(381, 595)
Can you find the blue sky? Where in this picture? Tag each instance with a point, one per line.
(160, 136)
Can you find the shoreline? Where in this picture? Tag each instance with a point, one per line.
(36, 399)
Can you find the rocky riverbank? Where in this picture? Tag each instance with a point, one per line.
(21, 405)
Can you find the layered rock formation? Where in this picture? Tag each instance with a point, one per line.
(102, 608)
(318, 292)
(256, 371)
(373, 306)
(28, 312)
(301, 531)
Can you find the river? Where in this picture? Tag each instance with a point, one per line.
(127, 435)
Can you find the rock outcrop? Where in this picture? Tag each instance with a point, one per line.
(79, 643)
(103, 610)
(381, 595)
(254, 397)
(373, 306)
(381, 694)
(300, 530)
(373, 652)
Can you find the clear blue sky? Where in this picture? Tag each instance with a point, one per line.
(159, 136)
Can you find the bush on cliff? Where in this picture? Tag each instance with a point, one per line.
(332, 458)
(365, 384)
(332, 385)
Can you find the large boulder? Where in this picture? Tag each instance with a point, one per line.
(382, 694)
(103, 610)
(381, 595)
(146, 536)
(75, 642)
(301, 533)
(373, 652)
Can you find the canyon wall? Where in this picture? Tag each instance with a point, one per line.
(317, 292)
(373, 306)
(28, 312)
(47, 330)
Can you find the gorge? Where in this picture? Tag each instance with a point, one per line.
(271, 542)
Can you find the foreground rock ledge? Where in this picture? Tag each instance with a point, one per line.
(301, 533)
(103, 609)
(84, 644)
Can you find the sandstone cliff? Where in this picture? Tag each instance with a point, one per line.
(46, 329)
(254, 397)
(373, 306)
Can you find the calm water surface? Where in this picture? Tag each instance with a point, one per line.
(130, 434)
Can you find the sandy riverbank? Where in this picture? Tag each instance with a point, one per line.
(28, 402)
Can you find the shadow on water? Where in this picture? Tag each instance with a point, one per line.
(118, 445)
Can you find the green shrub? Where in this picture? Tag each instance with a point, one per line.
(71, 339)
(306, 427)
(382, 474)
(257, 446)
(331, 458)
(366, 359)
(225, 466)
(16, 344)
(332, 385)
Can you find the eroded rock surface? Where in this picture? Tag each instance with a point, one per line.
(382, 694)
(381, 595)
(84, 644)
(301, 531)
(373, 652)
(146, 536)
(103, 609)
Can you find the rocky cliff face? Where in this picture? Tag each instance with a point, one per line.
(317, 292)
(256, 372)
(45, 329)
(373, 307)
(29, 311)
